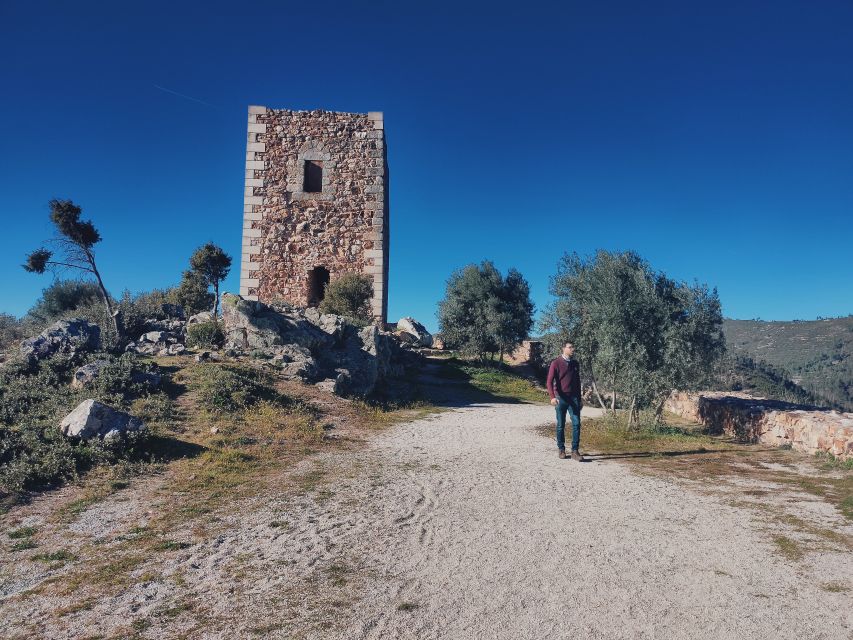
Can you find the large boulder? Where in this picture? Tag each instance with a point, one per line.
(93, 419)
(251, 325)
(411, 327)
(65, 336)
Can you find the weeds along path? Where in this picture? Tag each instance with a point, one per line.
(480, 531)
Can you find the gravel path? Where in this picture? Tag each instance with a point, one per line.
(463, 525)
(480, 531)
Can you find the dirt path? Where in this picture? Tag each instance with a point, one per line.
(482, 532)
(461, 525)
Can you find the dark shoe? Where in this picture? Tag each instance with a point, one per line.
(562, 454)
(577, 457)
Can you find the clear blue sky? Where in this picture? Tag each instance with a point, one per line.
(715, 139)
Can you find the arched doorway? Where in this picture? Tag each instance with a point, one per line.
(318, 278)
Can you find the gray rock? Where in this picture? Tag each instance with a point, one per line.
(311, 346)
(412, 327)
(175, 349)
(295, 362)
(86, 374)
(153, 336)
(204, 316)
(93, 419)
(249, 325)
(65, 336)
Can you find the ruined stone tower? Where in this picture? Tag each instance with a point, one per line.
(315, 206)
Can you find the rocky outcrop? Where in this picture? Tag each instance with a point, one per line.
(65, 336)
(160, 337)
(750, 419)
(93, 419)
(311, 346)
(414, 332)
(86, 375)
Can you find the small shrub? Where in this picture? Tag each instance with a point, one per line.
(225, 389)
(349, 295)
(205, 335)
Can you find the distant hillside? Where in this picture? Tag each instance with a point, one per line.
(816, 355)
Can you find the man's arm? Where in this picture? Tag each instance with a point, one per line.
(550, 382)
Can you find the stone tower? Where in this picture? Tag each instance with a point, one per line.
(315, 206)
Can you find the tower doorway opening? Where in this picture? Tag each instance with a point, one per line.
(318, 278)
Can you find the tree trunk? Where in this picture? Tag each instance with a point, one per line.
(633, 418)
(613, 399)
(215, 299)
(659, 408)
(106, 296)
(595, 389)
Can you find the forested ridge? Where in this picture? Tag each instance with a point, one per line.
(785, 359)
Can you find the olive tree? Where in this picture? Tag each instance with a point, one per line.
(483, 312)
(635, 330)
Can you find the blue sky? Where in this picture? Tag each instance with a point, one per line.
(715, 139)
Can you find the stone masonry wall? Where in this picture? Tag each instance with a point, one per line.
(288, 232)
(770, 422)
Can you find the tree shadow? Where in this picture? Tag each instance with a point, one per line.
(444, 383)
(166, 449)
(650, 454)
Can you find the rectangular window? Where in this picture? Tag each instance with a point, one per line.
(313, 181)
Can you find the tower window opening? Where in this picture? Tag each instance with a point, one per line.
(313, 180)
(318, 278)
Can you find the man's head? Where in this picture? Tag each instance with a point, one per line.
(568, 349)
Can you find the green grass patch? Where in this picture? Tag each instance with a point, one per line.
(22, 532)
(55, 556)
(789, 548)
(23, 545)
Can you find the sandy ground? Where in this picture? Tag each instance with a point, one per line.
(490, 535)
(461, 525)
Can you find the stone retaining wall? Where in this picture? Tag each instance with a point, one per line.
(750, 419)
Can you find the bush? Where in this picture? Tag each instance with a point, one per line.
(224, 388)
(62, 297)
(33, 452)
(12, 331)
(207, 335)
(349, 295)
(192, 293)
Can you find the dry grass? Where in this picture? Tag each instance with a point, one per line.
(768, 481)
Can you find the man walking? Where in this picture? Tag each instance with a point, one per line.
(564, 387)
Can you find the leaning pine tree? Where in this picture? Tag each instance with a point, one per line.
(75, 239)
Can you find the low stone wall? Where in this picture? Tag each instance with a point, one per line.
(750, 419)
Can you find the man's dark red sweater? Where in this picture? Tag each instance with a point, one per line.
(564, 378)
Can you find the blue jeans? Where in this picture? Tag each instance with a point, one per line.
(573, 407)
